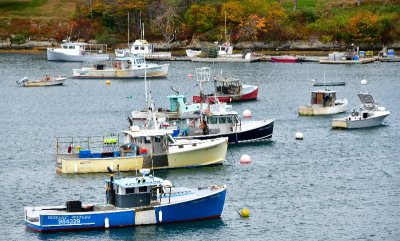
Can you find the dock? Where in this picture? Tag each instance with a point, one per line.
(360, 61)
(225, 60)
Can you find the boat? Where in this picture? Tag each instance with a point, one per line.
(133, 66)
(337, 83)
(220, 122)
(368, 114)
(192, 53)
(141, 148)
(229, 89)
(78, 52)
(131, 201)
(286, 59)
(324, 102)
(46, 80)
(178, 109)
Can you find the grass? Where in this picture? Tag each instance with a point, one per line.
(43, 9)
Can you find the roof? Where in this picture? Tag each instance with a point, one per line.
(149, 132)
(326, 91)
(225, 79)
(129, 182)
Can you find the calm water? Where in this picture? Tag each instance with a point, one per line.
(333, 185)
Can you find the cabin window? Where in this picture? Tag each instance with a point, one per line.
(65, 47)
(157, 139)
(212, 120)
(229, 119)
(143, 189)
(71, 47)
(136, 48)
(142, 48)
(147, 139)
(222, 120)
(130, 190)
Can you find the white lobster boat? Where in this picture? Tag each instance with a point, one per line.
(134, 66)
(368, 114)
(324, 102)
(78, 52)
(149, 148)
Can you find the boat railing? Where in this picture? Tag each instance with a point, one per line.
(73, 145)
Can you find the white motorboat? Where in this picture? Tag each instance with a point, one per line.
(192, 53)
(368, 114)
(134, 66)
(46, 80)
(324, 102)
(78, 52)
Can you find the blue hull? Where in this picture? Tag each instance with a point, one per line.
(256, 134)
(202, 208)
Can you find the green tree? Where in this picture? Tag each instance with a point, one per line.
(201, 17)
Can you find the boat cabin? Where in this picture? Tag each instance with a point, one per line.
(128, 62)
(323, 98)
(177, 103)
(227, 86)
(225, 49)
(215, 123)
(77, 48)
(142, 47)
(146, 142)
(133, 191)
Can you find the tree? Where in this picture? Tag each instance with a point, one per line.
(165, 18)
(363, 27)
(201, 17)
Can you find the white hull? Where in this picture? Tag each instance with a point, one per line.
(192, 53)
(355, 122)
(151, 71)
(54, 55)
(340, 106)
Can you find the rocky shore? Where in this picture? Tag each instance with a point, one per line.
(302, 46)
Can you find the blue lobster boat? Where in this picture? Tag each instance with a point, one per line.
(131, 201)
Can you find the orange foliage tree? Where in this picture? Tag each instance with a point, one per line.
(363, 27)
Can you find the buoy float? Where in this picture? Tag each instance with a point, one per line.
(247, 113)
(189, 75)
(160, 216)
(299, 136)
(363, 81)
(106, 223)
(245, 159)
(245, 213)
(108, 82)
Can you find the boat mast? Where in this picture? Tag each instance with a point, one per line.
(226, 39)
(128, 28)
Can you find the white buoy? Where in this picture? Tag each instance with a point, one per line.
(106, 223)
(299, 136)
(245, 159)
(160, 216)
(363, 81)
(246, 113)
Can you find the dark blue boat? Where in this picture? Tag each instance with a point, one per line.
(225, 123)
(131, 201)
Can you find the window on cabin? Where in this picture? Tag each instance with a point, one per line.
(136, 48)
(130, 190)
(142, 48)
(71, 47)
(157, 139)
(147, 139)
(229, 119)
(65, 47)
(142, 189)
(212, 120)
(222, 120)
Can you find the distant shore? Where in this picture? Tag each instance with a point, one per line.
(178, 48)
